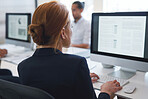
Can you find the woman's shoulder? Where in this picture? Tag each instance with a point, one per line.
(72, 56)
(25, 61)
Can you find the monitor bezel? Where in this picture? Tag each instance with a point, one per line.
(7, 26)
(118, 14)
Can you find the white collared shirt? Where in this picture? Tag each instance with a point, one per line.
(81, 32)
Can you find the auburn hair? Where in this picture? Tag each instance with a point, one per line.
(47, 22)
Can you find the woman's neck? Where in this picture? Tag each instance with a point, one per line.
(59, 45)
(48, 46)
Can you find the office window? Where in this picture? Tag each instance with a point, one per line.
(125, 5)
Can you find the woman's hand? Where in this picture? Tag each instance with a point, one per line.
(111, 87)
(94, 77)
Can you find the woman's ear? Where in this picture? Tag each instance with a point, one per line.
(63, 34)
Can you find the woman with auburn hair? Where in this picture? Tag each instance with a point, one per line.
(64, 76)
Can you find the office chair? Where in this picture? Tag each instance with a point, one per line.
(4, 72)
(10, 78)
(9, 90)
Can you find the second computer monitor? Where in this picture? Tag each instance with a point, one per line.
(17, 28)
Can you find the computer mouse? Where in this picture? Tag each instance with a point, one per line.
(129, 89)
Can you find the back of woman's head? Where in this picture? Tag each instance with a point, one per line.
(47, 22)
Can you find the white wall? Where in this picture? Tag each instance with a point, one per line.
(43, 1)
(98, 5)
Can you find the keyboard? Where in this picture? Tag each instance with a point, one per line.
(105, 78)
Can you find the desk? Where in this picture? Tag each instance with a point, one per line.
(140, 80)
(15, 55)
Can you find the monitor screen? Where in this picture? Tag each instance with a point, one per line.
(17, 26)
(123, 35)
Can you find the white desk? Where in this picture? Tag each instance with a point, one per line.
(15, 55)
(140, 80)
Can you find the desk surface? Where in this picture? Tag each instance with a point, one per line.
(140, 80)
(18, 53)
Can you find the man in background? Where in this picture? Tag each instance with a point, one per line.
(81, 29)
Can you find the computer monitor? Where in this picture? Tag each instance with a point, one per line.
(17, 29)
(120, 39)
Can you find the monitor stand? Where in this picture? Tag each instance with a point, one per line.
(18, 43)
(123, 73)
(107, 65)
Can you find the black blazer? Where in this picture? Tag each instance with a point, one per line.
(63, 76)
